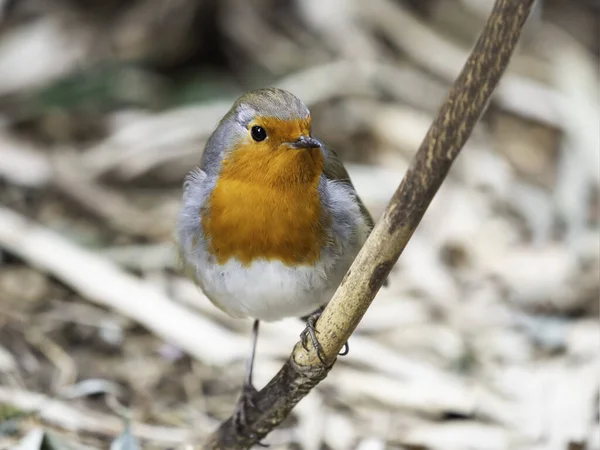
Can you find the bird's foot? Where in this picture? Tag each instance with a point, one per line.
(311, 332)
(240, 414)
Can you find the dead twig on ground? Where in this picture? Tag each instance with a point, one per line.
(68, 417)
(100, 281)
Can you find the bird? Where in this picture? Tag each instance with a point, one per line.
(270, 221)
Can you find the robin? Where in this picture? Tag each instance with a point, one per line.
(270, 221)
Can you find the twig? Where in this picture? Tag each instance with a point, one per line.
(22, 164)
(62, 415)
(100, 281)
(577, 77)
(25, 165)
(421, 42)
(443, 142)
(67, 369)
(107, 203)
(246, 26)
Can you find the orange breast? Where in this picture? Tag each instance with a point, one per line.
(266, 205)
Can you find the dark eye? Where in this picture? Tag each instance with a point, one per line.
(258, 133)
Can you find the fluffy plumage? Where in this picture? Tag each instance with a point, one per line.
(268, 230)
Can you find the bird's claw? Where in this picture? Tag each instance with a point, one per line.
(346, 350)
(246, 400)
(240, 418)
(311, 332)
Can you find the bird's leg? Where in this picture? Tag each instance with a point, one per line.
(248, 390)
(311, 332)
(250, 362)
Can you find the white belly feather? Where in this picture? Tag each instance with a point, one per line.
(267, 290)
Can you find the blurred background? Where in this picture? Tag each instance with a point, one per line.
(488, 335)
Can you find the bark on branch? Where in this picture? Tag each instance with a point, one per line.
(442, 143)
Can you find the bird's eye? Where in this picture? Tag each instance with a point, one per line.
(258, 133)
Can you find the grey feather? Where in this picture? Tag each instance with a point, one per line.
(335, 170)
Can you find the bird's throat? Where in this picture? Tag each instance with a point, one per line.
(267, 207)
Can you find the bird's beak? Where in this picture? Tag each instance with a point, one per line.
(306, 142)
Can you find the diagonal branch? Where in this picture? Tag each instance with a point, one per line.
(441, 145)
